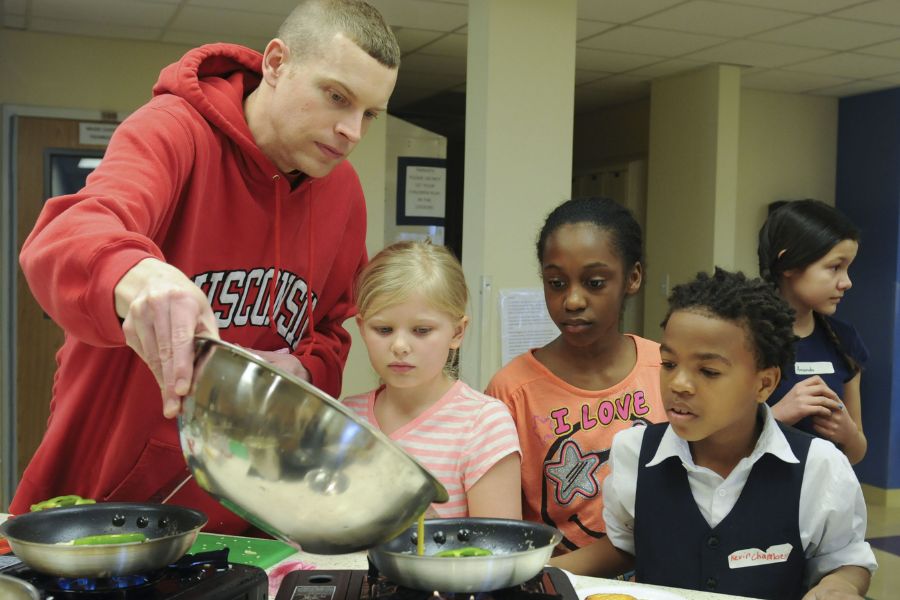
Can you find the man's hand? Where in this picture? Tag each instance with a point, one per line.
(163, 311)
(812, 396)
(285, 361)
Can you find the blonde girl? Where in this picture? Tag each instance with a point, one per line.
(412, 300)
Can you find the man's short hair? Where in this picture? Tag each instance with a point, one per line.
(314, 22)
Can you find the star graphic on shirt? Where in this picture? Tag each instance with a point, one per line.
(574, 473)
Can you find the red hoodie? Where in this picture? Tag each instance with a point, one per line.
(184, 182)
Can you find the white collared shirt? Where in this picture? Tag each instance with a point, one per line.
(832, 509)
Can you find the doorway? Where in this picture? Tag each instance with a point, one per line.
(626, 184)
(47, 156)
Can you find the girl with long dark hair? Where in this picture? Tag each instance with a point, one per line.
(805, 251)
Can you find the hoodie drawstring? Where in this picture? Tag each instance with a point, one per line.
(272, 282)
(310, 320)
(273, 287)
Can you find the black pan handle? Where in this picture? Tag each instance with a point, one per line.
(216, 558)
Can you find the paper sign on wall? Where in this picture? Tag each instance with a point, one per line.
(425, 191)
(421, 190)
(524, 322)
(96, 134)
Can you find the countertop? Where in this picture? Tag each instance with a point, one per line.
(640, 591)
(357, 560)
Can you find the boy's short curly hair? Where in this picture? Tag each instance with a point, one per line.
(753, 303)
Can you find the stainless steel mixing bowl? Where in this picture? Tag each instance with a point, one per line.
(294, 461)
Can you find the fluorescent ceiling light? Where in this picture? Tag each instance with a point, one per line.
(89, 163)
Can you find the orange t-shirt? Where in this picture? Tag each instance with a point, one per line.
(565, 433)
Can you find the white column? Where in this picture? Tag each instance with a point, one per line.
(519, 112)
(692, 181)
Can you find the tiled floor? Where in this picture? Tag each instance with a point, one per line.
(884, 536)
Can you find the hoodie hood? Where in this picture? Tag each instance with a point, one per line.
(215, 79)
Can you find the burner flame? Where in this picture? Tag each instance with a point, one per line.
(90, 584)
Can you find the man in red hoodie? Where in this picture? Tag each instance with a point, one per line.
(223, 206)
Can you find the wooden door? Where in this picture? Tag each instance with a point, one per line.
(37, 336)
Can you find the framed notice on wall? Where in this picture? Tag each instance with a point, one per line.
(421, 190)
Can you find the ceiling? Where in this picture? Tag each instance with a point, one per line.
(824, 47)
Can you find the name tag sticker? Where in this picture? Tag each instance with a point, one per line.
(813, 368)
(754, 557)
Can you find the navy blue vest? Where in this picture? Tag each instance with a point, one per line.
(675, 546)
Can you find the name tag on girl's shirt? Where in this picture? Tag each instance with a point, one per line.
(813, 368)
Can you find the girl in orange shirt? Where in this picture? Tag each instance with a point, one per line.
(571, 396)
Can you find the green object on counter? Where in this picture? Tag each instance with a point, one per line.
(109, 538)
(258, 552)
(467, 551)
(58, 501)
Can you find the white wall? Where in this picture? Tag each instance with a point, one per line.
(44, 69)
(788, 150)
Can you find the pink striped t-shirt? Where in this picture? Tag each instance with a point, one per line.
(458, 439)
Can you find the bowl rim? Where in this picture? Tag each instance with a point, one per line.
(204, 340)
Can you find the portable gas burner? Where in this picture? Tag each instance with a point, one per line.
(549, 584)
(206, 575)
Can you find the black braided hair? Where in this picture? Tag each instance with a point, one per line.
(852, 365)
(751, 303)
(795, 235)
(605, 213)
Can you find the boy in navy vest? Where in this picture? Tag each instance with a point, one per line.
(724, 498)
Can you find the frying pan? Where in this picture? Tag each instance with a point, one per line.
(519, 551)
(38, 538)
